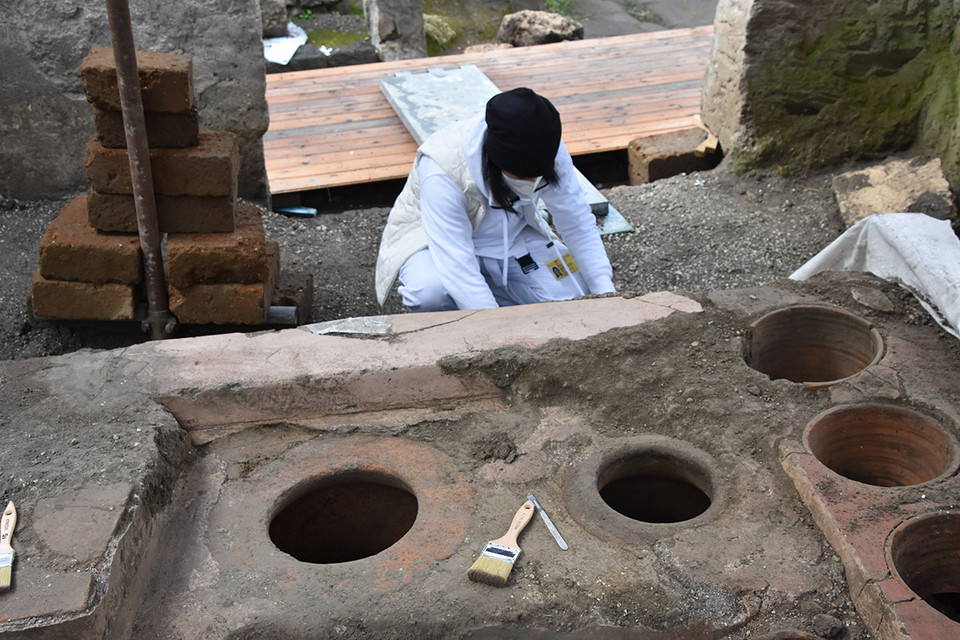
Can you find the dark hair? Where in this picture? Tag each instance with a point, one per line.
(502, 195)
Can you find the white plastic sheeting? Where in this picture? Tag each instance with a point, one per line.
(919, 252)
(281, 50)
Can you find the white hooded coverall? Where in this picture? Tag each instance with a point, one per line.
(449, 242)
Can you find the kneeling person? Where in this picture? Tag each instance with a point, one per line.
(465, 232)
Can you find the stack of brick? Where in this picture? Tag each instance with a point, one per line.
(84, 274)
(223, 278)
(220, 269)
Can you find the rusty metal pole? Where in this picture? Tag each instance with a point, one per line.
(160, 321)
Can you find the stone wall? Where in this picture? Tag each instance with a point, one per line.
(808, 83)
(45, 121)
(396, 28)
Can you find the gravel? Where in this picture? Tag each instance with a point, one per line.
(715, 230)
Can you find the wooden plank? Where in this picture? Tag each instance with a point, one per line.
(559, 87)
(359, 75)
(549, 70)
(634, 42)
(575, 116)
(333, 127)
(625, 106)
(616, 102)
(381, 167)
(363, 143)
(607, 139)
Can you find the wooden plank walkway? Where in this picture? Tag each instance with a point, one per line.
(333, 127)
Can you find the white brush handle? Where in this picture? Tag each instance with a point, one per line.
(7, 525)
(520, 520)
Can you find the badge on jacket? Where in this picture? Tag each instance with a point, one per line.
(560, 270)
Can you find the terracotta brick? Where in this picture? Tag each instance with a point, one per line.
(83, 300)
(216, 258)
(668, 154)
(208, 169)
(113, 212)
(242, 304)
(295, 289)
(73, 250)
(164, 130)
(272, 250)
(166, 80)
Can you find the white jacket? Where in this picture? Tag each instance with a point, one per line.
(458, 149)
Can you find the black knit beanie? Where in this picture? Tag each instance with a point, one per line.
(523, 132)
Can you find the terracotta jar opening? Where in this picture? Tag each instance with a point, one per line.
(882, 445)
(343, 517)
(655, 487)
(811, 344)
(926, 554)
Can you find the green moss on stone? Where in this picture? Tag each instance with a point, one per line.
(474, 21)
(850, 87)
(334, 38)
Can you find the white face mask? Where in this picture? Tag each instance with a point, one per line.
(523, 188)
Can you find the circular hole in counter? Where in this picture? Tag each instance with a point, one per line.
(343, 517)
(882, 445)
(655, 486)
(811, 344)
(925, 553)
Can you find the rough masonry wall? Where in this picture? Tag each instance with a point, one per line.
(396, 28)
(808, 83)
(45, 120)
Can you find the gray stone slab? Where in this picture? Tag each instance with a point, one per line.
(370, 325)
(610, 222)
(613, 222)
(428, 101)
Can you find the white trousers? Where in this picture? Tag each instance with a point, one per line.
(421, 288)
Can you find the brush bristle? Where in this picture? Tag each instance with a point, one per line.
(494, 565)
(490, 571)
(6, 568)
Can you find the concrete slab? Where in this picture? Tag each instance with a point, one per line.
(76, 526)
(427, 102)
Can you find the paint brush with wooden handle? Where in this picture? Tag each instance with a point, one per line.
(498, 556)
(7, 524)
